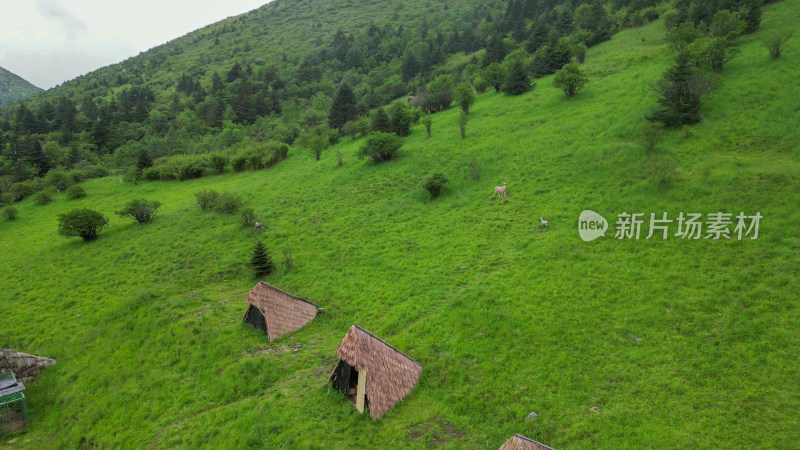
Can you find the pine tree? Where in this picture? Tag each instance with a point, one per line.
(752, 14)
(343, 108)
(517, 81)
(681, 94)
(144, 160)
(261, 261)
(495, 50)
(380, 121)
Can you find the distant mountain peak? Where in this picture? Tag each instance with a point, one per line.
(14, 88)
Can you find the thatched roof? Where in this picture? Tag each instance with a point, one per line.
(283, 312)
(391, 375)
(24, 366)
(520, 442)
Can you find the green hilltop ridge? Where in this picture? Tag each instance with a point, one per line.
(631, 343)
(14, 89)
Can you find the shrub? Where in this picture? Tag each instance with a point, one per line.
(435, 184)
(579, 50)
(338, 158)
(42, 197)
(75, 192)
(132, 175)
(248, 218)
(381, 146)
(218, 161)
(239, 162)
(10, 213)
(207, 199)
(495, 75)
(464, 96)
(570, 79)
(59, 179)
(83, 223)
(288, 258)
(141, 210)
(474, 169)
(774, 43)
(717, 53)
(480, 85)
(400, 119)
(261, 261)
(427, 122)
(24, 189)
(463, 120)
(228, 203)
(662, 172)
(651, 135)
(357, 127)
(96, 171)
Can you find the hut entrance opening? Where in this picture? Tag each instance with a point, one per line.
(352, 384)
(255, 318)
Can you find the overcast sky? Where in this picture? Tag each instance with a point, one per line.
(48, 42)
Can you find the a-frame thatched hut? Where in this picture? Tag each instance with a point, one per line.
(25, 367)
(372, 373)
(277, 312)
(520, 442)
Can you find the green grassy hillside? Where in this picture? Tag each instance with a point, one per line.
(13, 88)
(667, 344)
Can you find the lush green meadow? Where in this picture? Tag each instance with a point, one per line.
(614, 343)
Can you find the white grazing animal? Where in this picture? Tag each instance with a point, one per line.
(500, 191)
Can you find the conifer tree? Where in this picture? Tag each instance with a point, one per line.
(261, 261)
(681, 93)
(517, 81)
(343, 108)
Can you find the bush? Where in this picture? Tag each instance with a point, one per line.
(10, 213)
(218, 161)
(480, 85)
(132, 175)
(651, 135)
(24, 189)
(464, 96)
(463, 120)
(579, 50)
(141, 210)
(239, 163)
(228, 203)
(474, 169)
(83, 223)
(570, 79)
(261, 261)
(381, 146)
(427, 122)
(495, 74)
(206, 199)
(248, 218)
(42, 197)
(59, 179)
(75, 192)
(435, 184)
(662, 172)
(774, 43)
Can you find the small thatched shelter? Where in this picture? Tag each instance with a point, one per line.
(277, 312)
(372, 373)
(25, 367)
(520, 442)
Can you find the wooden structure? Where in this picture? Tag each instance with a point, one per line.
(520, 442)
(25, 367)
(372, 373)
(277, 312)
